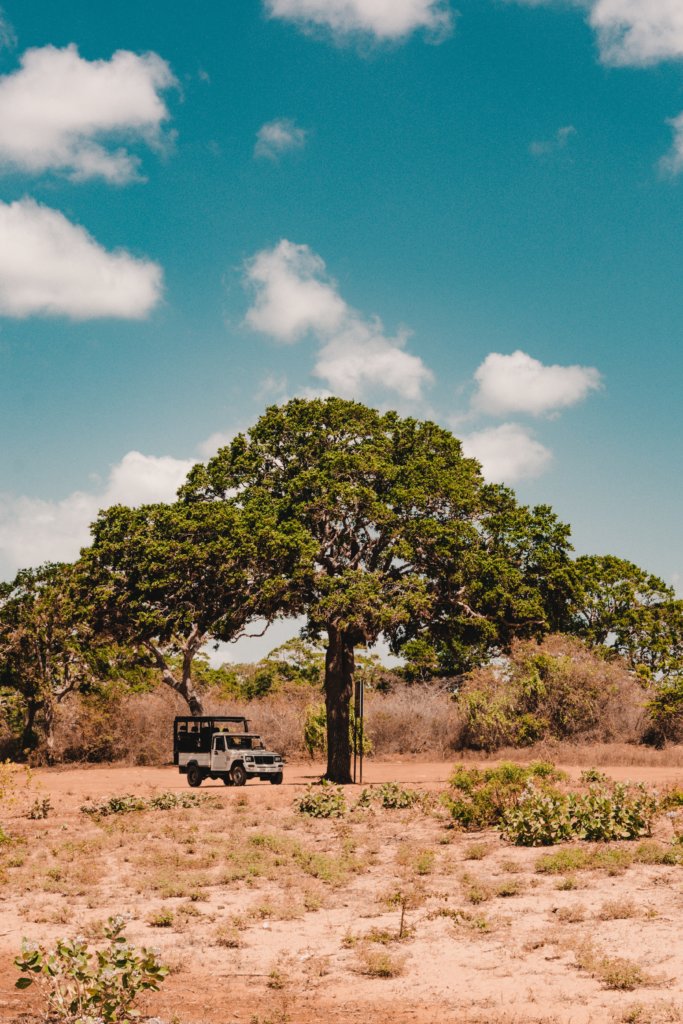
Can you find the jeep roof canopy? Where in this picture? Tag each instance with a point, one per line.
(194, 732)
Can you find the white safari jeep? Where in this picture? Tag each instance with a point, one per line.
(220, 747)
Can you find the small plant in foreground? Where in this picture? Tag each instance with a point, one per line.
(475, 851)
(614, 972)
(394, 797)
(162, 919)
(40, 809)
(324, 800)
(128, 804)
(539, 818)
(378, 963)
(480, 799)
(83, 986)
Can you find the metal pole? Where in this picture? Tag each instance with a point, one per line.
(355, 726)
(362, 714)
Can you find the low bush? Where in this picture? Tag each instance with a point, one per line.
(82, 985)
(391, 796)
(128, 804)
(622, 812)
(322, 800)
(40, 809)
(539, 818)
(543, 818)
(480, 799)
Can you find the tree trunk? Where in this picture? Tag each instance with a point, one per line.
(29, 738)
(182, 686)
(49, 725)
(339, 669)
(186, 690)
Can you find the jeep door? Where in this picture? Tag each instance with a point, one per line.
(220, 759)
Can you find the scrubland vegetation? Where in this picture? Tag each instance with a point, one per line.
(553, 698)
(299, 901)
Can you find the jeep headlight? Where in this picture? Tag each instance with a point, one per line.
(248, 757)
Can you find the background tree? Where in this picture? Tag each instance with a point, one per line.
(48, 649)
(629, 612)
(609, 590)
(166, 579)
(504, 574)
(387, 507)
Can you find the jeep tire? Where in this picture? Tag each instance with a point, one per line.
(195, 776)
(238, 775)
(276, 780)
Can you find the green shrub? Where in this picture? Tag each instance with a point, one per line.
(480, 799)
(539, 818)
(322, 800)
(391, 796)
(128, 804)
(81, 985)
(623, 812)
(40, 809)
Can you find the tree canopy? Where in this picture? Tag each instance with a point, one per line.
(168, 578)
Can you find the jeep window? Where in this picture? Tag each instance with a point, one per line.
(219, 744)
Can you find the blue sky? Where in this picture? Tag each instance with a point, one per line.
(470, 214)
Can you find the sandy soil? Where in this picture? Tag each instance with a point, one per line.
(275, 918)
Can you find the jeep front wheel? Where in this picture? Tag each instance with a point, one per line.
(239, 776)
(276, 780)
(194, 775)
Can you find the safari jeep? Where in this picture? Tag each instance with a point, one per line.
(221, 747)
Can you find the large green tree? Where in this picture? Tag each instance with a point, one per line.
(48, 649)
(399, 533)
(167, 579)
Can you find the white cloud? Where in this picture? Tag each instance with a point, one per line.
(51, 267)
(631, 32)
(636, 32)
(518, 383)
(558, 142)
(507, 453)
(292, 296)
(360, 357)
(56, 109)
(33, 530)
(277, 137)
(672, 163)
(295, 297)
(219, 439)
(384, 20)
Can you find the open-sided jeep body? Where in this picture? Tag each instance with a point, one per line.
(221, 747)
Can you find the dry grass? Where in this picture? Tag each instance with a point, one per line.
(378, 963)
(234, 890)
(615, 972)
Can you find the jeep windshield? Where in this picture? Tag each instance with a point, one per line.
(237, 742)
